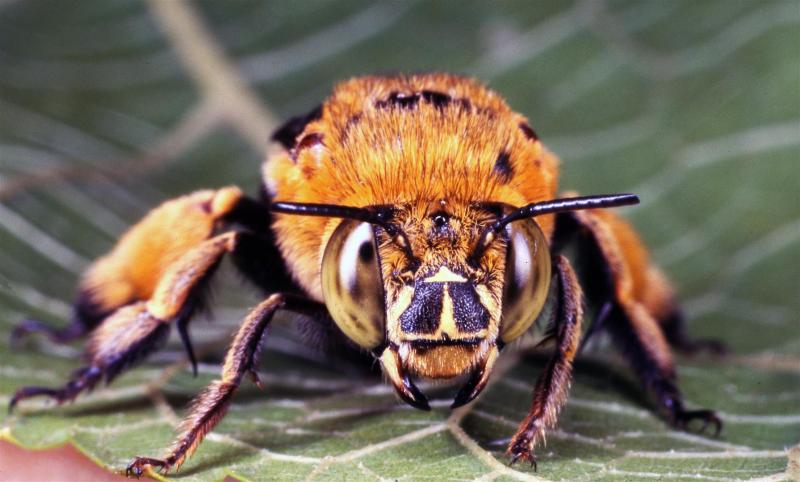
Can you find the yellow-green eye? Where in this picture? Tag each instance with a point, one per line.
(352, 284)
(527, 278)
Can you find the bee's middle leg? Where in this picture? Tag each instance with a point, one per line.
(136, 330)
(242, 359)
(641, 341)
(643, 318)
(551, 389)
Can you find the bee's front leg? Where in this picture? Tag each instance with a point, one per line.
(210, 406)
(551, 388)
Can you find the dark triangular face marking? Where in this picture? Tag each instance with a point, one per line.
(469, 314)
(425, 310)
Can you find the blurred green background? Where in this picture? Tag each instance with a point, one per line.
(108, 107)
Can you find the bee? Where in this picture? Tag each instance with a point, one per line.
(417, 220)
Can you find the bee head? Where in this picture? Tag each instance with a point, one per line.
(436, 289)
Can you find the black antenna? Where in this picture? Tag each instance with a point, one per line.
(549, 207)
(377, 215)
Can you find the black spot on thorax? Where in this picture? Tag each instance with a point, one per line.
(502, 167)
(351, 123)
(438, 99)
(399, 99)
(530, 134)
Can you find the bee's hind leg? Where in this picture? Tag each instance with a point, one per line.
(112, 350)
(551, 389)
(136, 330)
(210, 406)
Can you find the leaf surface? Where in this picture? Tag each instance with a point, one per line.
(109, 107)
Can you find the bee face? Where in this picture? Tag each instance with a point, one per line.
(419, 289)
(442, 311)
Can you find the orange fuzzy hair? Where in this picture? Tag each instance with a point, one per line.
(360, 152)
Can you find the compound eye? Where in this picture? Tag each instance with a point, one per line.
(527, 278)
(352, 284)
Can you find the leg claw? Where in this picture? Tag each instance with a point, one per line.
(83, 379)
(56, 335)
(521, 451)
(139, 464)
(682, 420)
(256, 380)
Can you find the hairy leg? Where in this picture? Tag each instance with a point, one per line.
(156, 276)
(210, 406)
(638, 296)
(640, 340)
(551, 389)
(130, 345)
(134, 331)
(131, 271)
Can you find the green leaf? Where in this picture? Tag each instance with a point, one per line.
(109, 107)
